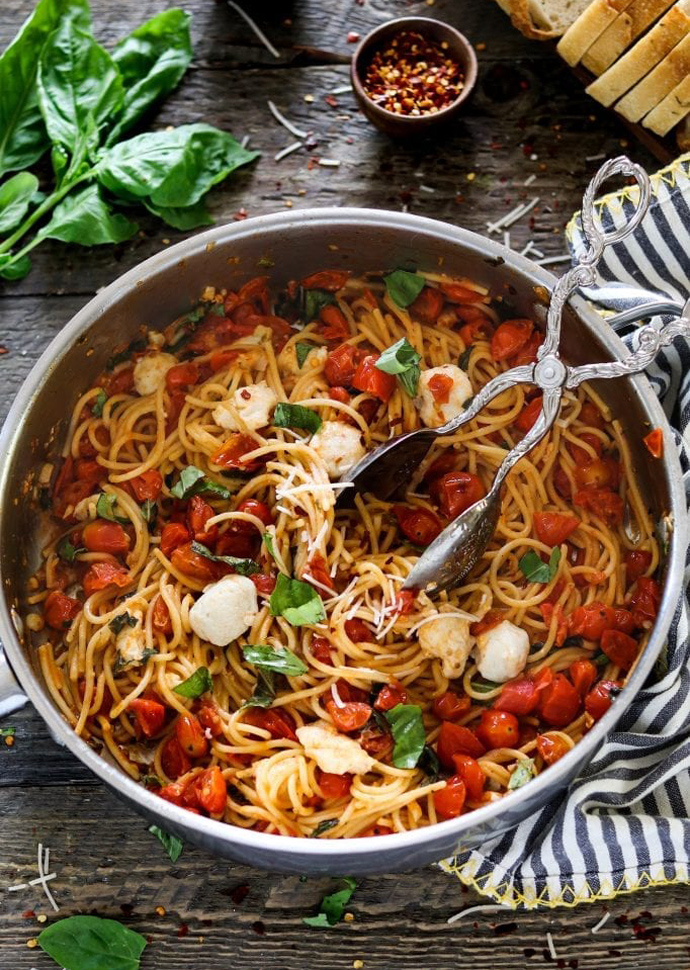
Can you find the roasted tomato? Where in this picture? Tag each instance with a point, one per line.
(231, 453)
(174, 535)
(59, 610)
(637, 562)
(600, 697)
(551, 747)
(549, 611)
(150, 715)
(371, 380)
(456, 491)
(645, 601)
(498, 729)
(211, 790)
(518, 696)
(450, 706)
(181, 376)
(357, 631)
(100, 575)
(341, 365)
(210, 718)
(191, 563)
(591, 620)
(559, 702)
(526, 419)
(259, 509)
(450, 801)
(173, 759)
(276, 721)
(160, 620)
(348, 715)
(553, 528)
(321, 649)
(602, 472)
(198, 514)
(510, 338)
(456, 739)
(487, 622)
(619, 648)
(471, 773)
(457, 293)
(146, 486)
(528, 353)
(603, 502)
(390, 696)
(333, 786)
(330, 280)
(427, 306)
(583, 673)
(335, 327)
(419, 525)
(591, 415)
(440, 386)
(265, 582)
(191, 735)
(104, 536)
(654, 442)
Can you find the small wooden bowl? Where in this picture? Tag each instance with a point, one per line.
(403, 126)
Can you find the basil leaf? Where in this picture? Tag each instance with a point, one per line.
(404, 287)
(536, 571)
(15, 198)
(193, 481)
(295, 416)
(67, 551)
(408, 733)
(482, 686)
(429, 763)
(298, 602)
(149, 512)
(182, 217)
(403, 360)
(280, 660)
(171, 168)
(86, 218)
(333, 906)
(14, 267)
(464, 358)
(23, 137)
(172, 845)
(600, 660)
(410, 379)
(7, 732)
(151, 61)
(92, 943)
(302, 350)
(325, 826)
(119, 622)
(523, 772)
(105, 508)
(268, 538)
(79, 87)
(245, 567)
(99, 403)
(264, 690)
(313, 303)
(199, 683)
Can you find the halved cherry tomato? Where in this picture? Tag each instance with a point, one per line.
(174, 534)
(100, 575)
(209, 718)
(553, 528)
(173, 410)
(603, 502)
(333, 786)
(277, 722)
(419, 525)
(373, 381)
(457, 293)
(427, 306)
(625, 621)
(559, 702)
(265, 582)
(88, 470)
(191, 563)
(191, 735)
(352, 716)
(317, 569)
(121, 382)
(161, 617)
(341, 365)
(487, 622)
(198, 514)
(510, 338)
(450, 706)
(619, 648)
(583, 673)
(457, 739)
(357, 631)
(498, 729)
(440, 386)
(148, 485)
(637, 562)
(551, 747)
(456, 491)
(450, 801)
(445, 462)
(600, 698)
(150, 715)
(471, 773)
(591, 620)
(252, 506)
(321, 649)
(211, 790)
(528, 353)
(654, 442)
(231, 453)
(173, 759)
(526, 419)
(240, 539)
(645, 601)
(335, 327)
(330, 280)
(404, 601)
(376, 742)
(103, 536)
(59, 610)
(181, 376)
(582, 456)
(221, 358)
(390, 696)
(477, 328)
(519, 696)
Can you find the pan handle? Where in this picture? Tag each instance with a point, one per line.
(12, 697)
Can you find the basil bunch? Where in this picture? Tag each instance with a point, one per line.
(63, 92)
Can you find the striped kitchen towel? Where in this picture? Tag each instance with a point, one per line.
(624, 824)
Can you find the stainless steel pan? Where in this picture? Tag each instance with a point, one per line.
(298, 243)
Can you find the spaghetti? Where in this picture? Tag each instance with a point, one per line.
(210, 621)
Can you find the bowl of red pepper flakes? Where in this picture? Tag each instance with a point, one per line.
(413, 74)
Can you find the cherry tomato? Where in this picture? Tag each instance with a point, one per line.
(103, 536)
(173, 793)
(121, 382)
(321, 649)
(518, 696)
(456, 491)
(59, 610)
(352, 716)
(456, 739)
(528, 353)
(404, 601)
(373, 381)
(457, 293)
(340, 394)
(149, 714)
(478, 327)
(603, 502)
(181, 376)
(255, 291)
(450, 801)
(498, 729)
(583, 673)
(357, 631)
(637, 562)
(548, 612)
(598, 473)
(335, 327)
(654, 442)
(591, 620)
(173, 410)
(253, 507)
(148, 485)
(419, 525)
(487, 622)
(553, 528)
(161, 617)
(330, 280)
(211, 790)
(231, 453)
(600, 698)
(510, 338)
(527, 418)
(559, 702)
(591, 415)
(390, 696)
(341, 365)
(333, 786)
(88, 470)
(440, 386)
(445, 462)
(450, 706)
(174, 534)
(191, 735)
(209, 718)
(100, 575)
(198, 514)
(645, 601)
(375, 742)
(240, 539)
(561, 482)
(625, 621)
(471, 773)
(191, 563)
(277, 722)
(551, 747)
(427, 306)
(265, 582)
(619, 648)
(580, 455)
(220, 359)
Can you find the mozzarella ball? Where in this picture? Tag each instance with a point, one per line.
(150, 371)
(502, 652)
(131, 643)
(434, 413)
(339, 446)
(253, 404)
(449, 639)
(225, 610)
(333, 752)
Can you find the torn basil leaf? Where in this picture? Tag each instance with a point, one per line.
(295, 416)
(404, 287)
(264, 690)
(464, 358)
(119, 622)
(7, 732)
(314, 301)
(105, 508)
(325, 826)
(408, 733)
(245, 567)
(523, 772)
(278, 659)
(172, 845)
(429, 763)
(67, 551)
(402, 360)
(298, 602)
(193, 481)
(333, 906)
(149, 512)
(99, 403)
(302, 351)
(92, 943)
(199, 683)
(536, 571)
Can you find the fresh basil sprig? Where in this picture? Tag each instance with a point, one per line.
(8, 732)
(402, 360)
(404, 287)
(245, 567)
(536, 571)
(295, 416)
(171, 843)
(199, 683)
(522, 773)
(408, 733)
(92, 943)
(297, 601)
(333, 906)
(278, 659)
(193, 481)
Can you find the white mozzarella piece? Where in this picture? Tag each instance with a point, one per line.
(150, 371)
(434, 414)
(225, 610)
(449, 639)
(253, 404)
(333, 752)
(502, 652)
(339, 446)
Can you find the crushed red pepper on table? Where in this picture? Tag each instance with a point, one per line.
(413, 76)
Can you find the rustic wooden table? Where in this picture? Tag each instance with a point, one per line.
(529, 117)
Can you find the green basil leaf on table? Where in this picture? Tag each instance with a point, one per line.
(278, 659)
(295, 416)
(302, 351)
(182, 217)
(193, 481)
(408, 733)
(264, 690)
(522, 773)
(199, 683)
(86, 218)
(314, 301)
(171, 843)
(92, 943)
(8, 732)
(18, 268)
(152, 61)
(298, 602)
(105, 508)
(536, 571)
(332, 907)
(245, 567)
(404, 287)
(402, 360)
(119, 622)
(16, 195)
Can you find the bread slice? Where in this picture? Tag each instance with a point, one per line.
(626, 28)
(653, 88)
(588, 27)
(543, 19)
(674, 108)
(643, 56)
(683, 134)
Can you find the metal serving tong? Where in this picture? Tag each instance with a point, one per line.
(449, 558)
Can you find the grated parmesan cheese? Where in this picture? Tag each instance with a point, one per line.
(598, 926)
(552, 948)
(489, 908)
(255, 27)
(281, 119)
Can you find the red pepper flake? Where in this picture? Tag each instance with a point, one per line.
(240, 215)
(3, 350)
(329, 99)
(413, 76)
(28, 914)
(352, 37)
(239, 893)
(183, 930)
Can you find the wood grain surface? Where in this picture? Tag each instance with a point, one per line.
(529, 116)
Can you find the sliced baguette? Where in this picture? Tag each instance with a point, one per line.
(543, 19)
(674, 107)
(683, 134)
(643, 56)
(588, 27)
(626, 28)
(660, 82)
